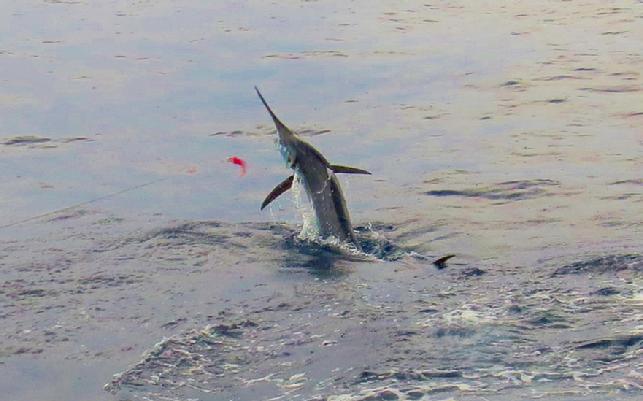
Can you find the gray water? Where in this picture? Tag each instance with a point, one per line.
(135, 263)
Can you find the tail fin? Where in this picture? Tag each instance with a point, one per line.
(442, 262)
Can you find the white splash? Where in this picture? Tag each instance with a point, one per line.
(303, 204)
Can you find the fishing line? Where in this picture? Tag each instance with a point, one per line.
(100, 198)
(108, 196)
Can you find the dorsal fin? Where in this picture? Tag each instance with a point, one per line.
(347, 170)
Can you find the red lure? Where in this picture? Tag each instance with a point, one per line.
(239, 162)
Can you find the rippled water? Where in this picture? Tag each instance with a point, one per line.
(134, 257)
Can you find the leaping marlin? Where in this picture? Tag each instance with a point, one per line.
(318, 177)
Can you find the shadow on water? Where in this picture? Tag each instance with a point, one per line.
(320, 260)
(328, 259)
(258, 241)
(602, 264)
(373, 241)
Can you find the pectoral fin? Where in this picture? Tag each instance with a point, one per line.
(347, 170)
(279, 189)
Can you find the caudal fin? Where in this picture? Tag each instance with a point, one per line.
(442, 262)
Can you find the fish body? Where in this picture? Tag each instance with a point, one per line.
(319, 180)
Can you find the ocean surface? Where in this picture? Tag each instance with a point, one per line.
(135, 263)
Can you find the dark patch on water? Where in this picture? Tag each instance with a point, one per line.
(34, 141)
(313, 132)
(613, 89)
(549, 319)
(173, 324)
(316, 258)
(73, 214)
(605, 292)
(510, 190)
(378, 246)
(234, 330)
(625, 196)
(621, 343)
(21, 294)
(610, 349)
(633, 114)
(25, 140)
(375, 226)
(305, 55)
(305, 132)
(556, 101)
(196, 233)
(232, 134)
(511, 83)
(635, 181)
(76, 139)
(472, 272)
(105, 280)
(603, 264)
(408, 375)
(453, 331)
(627, 74)
(558, 78)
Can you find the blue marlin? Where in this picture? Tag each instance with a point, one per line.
(318, 178)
